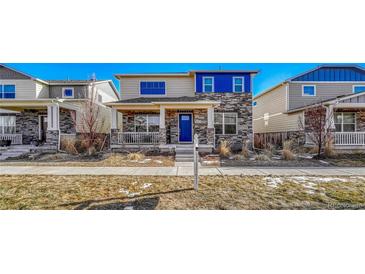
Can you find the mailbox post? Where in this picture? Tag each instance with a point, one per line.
(196, 162)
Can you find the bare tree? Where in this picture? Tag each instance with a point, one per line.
(90, 122)
(318, 126)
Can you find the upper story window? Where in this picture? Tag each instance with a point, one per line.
(238, 84)
(152, 88)
(7, 91)
(357, 89)
(208, 84)
(308, 90)
(67, 92)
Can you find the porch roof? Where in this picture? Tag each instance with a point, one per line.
(356, 100)
(168, 102)
(19, 104)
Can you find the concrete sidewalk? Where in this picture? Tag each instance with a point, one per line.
(178, 171)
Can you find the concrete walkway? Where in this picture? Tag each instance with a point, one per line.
(178, 171)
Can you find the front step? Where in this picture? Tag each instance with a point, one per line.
(184, 153)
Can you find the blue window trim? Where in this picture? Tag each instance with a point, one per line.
(203, 83)
(358, 86)
(151, 91)
(254, 103)
(234, 84)
(310, 95)
(7, 91)
(68, 88)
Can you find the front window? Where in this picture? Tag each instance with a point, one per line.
(309, 90)
(238, 84)
(147, 123)
(68, 93)
(345, 121)
(208, 84)
(7, 124)
(7, 91)
(225, 123)
(357, 89)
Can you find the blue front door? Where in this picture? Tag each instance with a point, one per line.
(185, 128)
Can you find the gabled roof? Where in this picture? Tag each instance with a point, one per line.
(335, 73)
(186, 74)
(24, 74)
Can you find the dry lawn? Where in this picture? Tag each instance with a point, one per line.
(110, 160)
(216, 192)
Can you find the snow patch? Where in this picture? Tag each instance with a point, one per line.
(273, 181)
(146, 185)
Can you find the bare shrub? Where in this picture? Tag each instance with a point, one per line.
(239, 157)
(245, 152)
(287, 155)
(135, 156)
(224, 148)
(69, 145)
(314, 150)
(329, 149)
(262, 157)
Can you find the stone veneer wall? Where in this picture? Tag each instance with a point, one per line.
(67, 124)
(27, 124)
(240, 104)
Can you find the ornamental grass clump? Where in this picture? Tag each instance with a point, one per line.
(224, 148)
(287, 152)
(135, 156)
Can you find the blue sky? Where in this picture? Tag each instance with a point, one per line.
(270, 73)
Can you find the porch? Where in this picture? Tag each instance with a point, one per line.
(162, 125)
(35, 122)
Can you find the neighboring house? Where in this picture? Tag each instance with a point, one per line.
(38, 111)
(166, 109)
(339, 88)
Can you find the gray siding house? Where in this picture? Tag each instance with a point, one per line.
(340, 88)
(163, 111)
(37, 111)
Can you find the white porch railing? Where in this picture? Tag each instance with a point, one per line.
(16, 139)
(138, 138)
(349, 138)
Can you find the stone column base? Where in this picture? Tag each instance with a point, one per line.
(162, 136)
(210, 136)
(114, 136)
(52, 138)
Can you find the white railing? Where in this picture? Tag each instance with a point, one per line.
(138, 138)
(16, 139)
(349, 138)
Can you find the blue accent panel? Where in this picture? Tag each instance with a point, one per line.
(223, 81)
(340, 74)
(1, 91)
(185, 127)
(152, 88)
(358, 89)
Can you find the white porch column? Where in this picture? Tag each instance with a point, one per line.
(162, 117)
(53, 113)
(114, 114)
(210, 117)
(330, 117)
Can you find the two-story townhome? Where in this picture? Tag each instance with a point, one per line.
(339, 88)
(37, 111)
(165, 110)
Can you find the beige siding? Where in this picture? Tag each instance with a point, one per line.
(42, 90)
(106, 92)
(24, 89)
(323, 91)
(175, 86)
(268, 114)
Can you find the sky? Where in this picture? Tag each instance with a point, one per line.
(270, 74)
